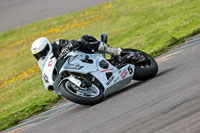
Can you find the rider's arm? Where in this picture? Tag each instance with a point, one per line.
(66, 46)
(70, 44)
(74, 44)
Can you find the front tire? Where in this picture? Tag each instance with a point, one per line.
(144, 70)
(72, 93)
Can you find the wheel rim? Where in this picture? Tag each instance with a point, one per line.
(90, 92)
(144, 64)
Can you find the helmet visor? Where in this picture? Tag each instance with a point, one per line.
(42, 53)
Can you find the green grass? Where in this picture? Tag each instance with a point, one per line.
(153, 26)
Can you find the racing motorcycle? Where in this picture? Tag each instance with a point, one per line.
(86, 78)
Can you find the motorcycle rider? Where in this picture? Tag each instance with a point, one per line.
(41, 47)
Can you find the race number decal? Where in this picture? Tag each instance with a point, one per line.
(124, 73)
(130, 70)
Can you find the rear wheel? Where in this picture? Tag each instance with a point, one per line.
(145, 69)
(86, 96)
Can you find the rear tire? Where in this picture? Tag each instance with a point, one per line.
(146, 69)
(67, 93)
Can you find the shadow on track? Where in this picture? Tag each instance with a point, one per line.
(79, 108)
(138, 83)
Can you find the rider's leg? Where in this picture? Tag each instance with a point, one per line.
(103, 47)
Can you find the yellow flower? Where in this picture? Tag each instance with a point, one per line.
(108, 6)
(23, 75)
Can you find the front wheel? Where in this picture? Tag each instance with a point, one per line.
(145, 69)
(84, 96)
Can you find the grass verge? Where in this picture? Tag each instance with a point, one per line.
(153, 26)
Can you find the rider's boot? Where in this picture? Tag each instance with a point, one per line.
(134, 57)
(103, 47)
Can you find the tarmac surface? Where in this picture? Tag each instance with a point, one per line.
(17, 13)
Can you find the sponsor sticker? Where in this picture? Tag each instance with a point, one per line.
(124, 73)
(110, 80)
(50, 63)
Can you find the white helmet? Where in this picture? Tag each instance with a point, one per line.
(41, 47)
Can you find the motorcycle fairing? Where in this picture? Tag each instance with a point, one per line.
(117, 79)
(47, 72)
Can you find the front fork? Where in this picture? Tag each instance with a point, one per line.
(80, 81)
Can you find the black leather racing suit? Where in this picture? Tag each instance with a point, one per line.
(86, 43)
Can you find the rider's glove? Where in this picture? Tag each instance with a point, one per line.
(65, 50)
(71, 45)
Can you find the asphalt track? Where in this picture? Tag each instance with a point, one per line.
(168, 103)
(17, 13)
